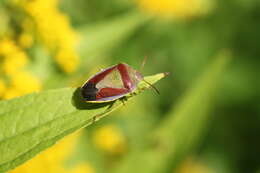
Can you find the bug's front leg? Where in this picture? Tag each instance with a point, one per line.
(133, 94)
(123, 100)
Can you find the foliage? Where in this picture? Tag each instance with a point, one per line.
(206, 125)
(43, 123)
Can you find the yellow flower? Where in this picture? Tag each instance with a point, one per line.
(54, 30)
(51, 160)
(2, 87)
(22, 83)
(14, 62)
(11, 93)
(191, 165)
(26, 40)
(7, 46)
(82, 168)
(25, 82)
(175, 8)
(68, 60)
(13, 57)
(110, 139)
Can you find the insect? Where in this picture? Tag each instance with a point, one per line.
(112, 83)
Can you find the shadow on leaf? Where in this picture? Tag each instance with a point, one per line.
(79, 102)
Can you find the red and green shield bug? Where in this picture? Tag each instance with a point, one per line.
(112, 83)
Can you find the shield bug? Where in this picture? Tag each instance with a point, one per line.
(112, 83)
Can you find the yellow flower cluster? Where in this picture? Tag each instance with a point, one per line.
(82, 168)
(26, 40)
(54, 31)
(178, 9)
(52, 159)
(16, 80)
(110, 139)
(190, 165)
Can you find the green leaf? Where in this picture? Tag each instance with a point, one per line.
(98, 39)
(32, 123)
(186, 124)
(181, 131)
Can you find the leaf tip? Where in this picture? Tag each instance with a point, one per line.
(166, 74)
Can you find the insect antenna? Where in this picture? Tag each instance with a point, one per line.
(141, 68)
(155, 89)
(143, 63)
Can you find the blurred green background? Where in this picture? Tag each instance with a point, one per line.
(207, 117)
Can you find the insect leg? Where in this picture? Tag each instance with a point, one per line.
(123, 100)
